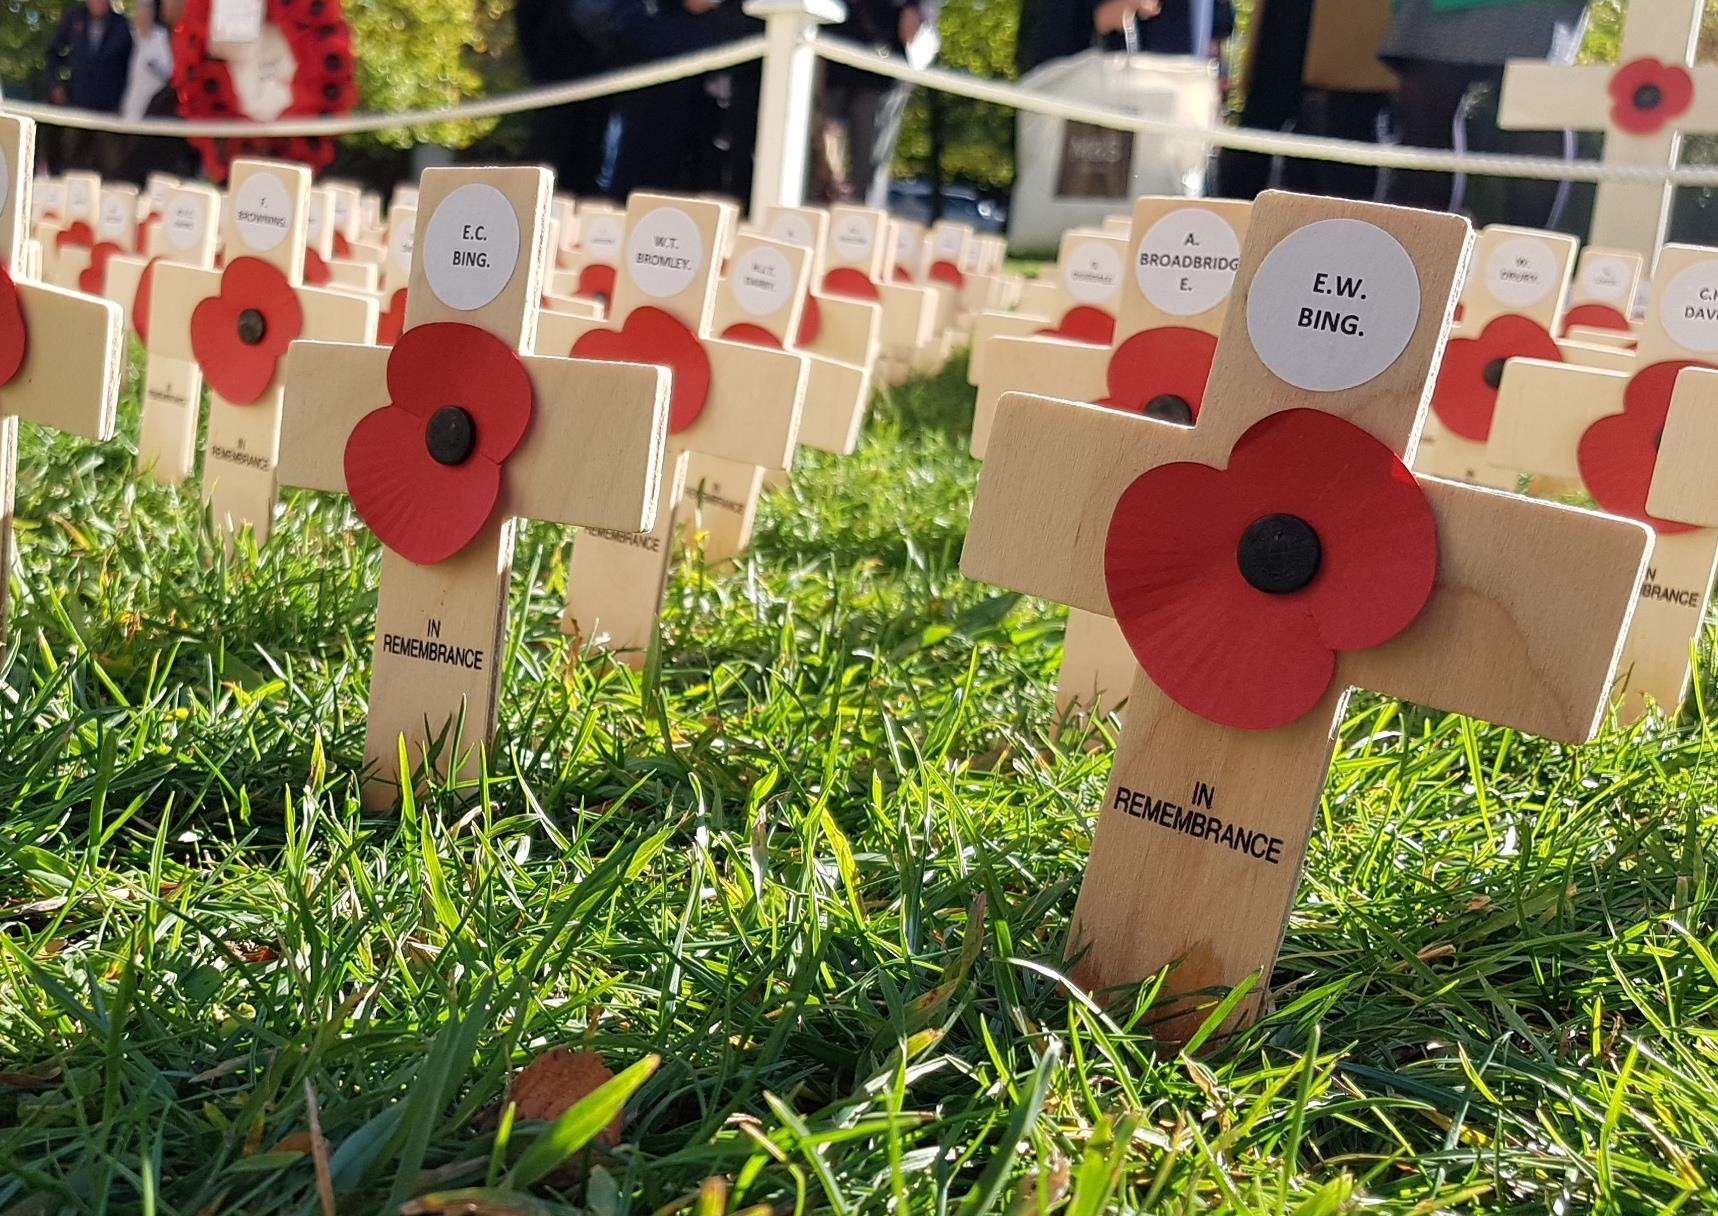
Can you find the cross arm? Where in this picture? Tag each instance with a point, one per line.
(753, 411)
(1682, 488)
(1540, 96)
(176, 291)
(337, 316)
(1543, 408)
(1525, 622)
(1045, 366)
(848, 329)
(69, 379)
(1052, 476)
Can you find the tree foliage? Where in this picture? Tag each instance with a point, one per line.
(979, 37)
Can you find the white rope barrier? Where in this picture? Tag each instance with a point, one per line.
(624, 81)
(1345, 151)
(836, 50)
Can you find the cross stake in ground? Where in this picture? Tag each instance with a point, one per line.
(1270, 558)
(236, 324)
(736, 402)
(1644, 104)
(443, 439)
(60, 352)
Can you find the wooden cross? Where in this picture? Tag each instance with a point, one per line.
(1511, 308)
(854, 253)
(172, 385)
(441, 457)
(1076, 301)
(1644, 104)
(325, 265)
(236, 324)
(1601, 299)
(68, 231)
(60, 352)
(397, 265)
(1175, 283)
(1601, 431)
(842, 328)
(909, 259)
(732, 401)
(1240, 552)
(590, 268)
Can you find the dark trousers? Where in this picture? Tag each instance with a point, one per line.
(569, 139)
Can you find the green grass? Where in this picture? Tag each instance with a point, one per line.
(821, 859)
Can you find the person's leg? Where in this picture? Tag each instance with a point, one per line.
(1352, 116)
(654, 125)
(1426, 104)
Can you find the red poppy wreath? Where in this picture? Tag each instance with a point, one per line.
(1617, 454)
(1161, 373)
(14, 334)
(650, 335)
(1236, 587)
(239, 334)
(312, 35)
(1466, 394)
(425, 470)
(1646, 95)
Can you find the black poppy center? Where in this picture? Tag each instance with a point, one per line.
(1648, 97)
(451, 435)
(1279, 554)
(1493, 372)
(1167, 407)
(253, 327)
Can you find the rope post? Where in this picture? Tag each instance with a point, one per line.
(784, 110)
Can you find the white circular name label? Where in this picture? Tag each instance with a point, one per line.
(762, 281)
(1521, 272)
(78, 200)
(1092, 273)
(853, 236)
(602, 235)
(183, 223)
(793, 229)
(401, 239)
(1689, 309)
(664, 252)
(114, 216)
(315, 216)
(1333, 305)
(948, 240)
(262, 211)
(471, 246)
(1187, 261)
(342, 209)
(1605, 278)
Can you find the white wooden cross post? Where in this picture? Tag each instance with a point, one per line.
(590, 266)
(1601, 299)
(1510, 309)
(1076, 300)
(1272, 557)
(444, 439)
(854, 255)
(1644, 104)
(60, 352)
(236, 324)
(172, 384)
(1175, 284)
(1602, 430)
(736, 402)
(67, 233)
(842, 328)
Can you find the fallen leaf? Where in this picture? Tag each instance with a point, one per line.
(555, 1081)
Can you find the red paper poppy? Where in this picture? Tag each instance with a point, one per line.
(393, 319)
(1236, 587)
(854, 284)
(947, 272)
(1161, 373)
(240, 334)
(810, 322)
(316, 272)
(1617, 455)
(342, 246)
(1466, 392)
(323, 81)
(1083, 323)
(651, 335)
(1594, 316)
(596, 282)
(14, 334)
(902, 275)
(751, 335)
(92, 280)
(1647, 94)
(141, 301)
(76, 233)
(424, 471)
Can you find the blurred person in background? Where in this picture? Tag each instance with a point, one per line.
(561, 41)
(1443, 51)
(1052, 29)
(149, 93)
(88, 61)
(859, 113)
